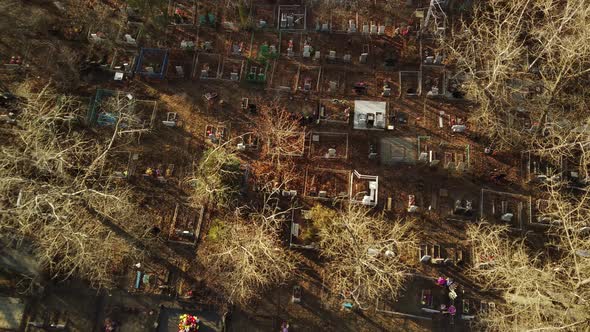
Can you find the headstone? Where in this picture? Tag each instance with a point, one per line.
(373, 29)
(179, 70)
(290, 21)
(119, 76)
(234, 76)
(365, 28)
(333, 86)
(381, 30)
(363, 57)
(351, 26)
(325, 27)
(332, 55)
(347, 58)
(317, 56)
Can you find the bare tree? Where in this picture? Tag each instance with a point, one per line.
(78, 222)
(540, 293)
(246, 258)
(364, 252)
(281, 131)
(216, 179)
(523, 62)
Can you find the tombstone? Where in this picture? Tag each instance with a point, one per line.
(273, 49)
(290, 21)
(325, 27)
(347, 58)
(373, 29)
(331, 153)
(423, 156)
(332, 56)
(208, 46)
(458, 128)
(244, 103)
(95, 37)
(429, 60)
(315, 138)
(187, 44)
(363, 57)
(317, 56)
(306, 51)
(440, 119)
(149, 69)
(379, 120)
(204, 73)
(283, 21)
(333, 86)
(234, 76)
(290, 52)
(179, 71)
(351, 26)
(322, 194)
(241, 146)
(307, 85)
(381, 30)
(119, 76)
(130, 40)
(386, 91)
(365, 28)
(438, 60)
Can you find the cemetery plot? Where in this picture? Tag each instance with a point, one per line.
(395, 150)
(161, 166)
(207, 66)
(264, 16)
(410, 83)
(182, 12)
(237, 43)
(152, 62)
(383, 53)
(302, 233)
(185, 226)
(505, 208)
(442, 254)
(208, 13)
(129, 34)
(232, 69)
(109, 108)
(326, 145)
(288, 144)
(148, 278)
(256, 72)
(434, 80)
(431, 52)
(538, 169)
(542, 213)
(308, 79)
(235, 17)
(301, 109)
(436, 152)
(123, 61)
(284, 76)
(364, 189)
(370, 115)
(101, 33)
(362, 83)
(248, 141)
(211, 41)
(372, 23)
(333, 81)
(216, 133)
(39, 51)
(454, 203)
(327, 184)
(120, 165)
(292, 17)
(341, 21)
(419, 294)
(335, 111)
(264, 46)
(291, 44)
(182, 37)
(341, 49)
(180, 64)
